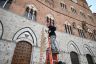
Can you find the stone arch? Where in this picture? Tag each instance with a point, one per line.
(89, 49)
(1, 29)
(25, 34)
(72, 47)
(73, 44)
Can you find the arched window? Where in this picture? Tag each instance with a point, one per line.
(89, 59)
(63, 5)
(73, 10)
(5, 3)
(81, 31)
(74, 57)
(68, 27)
(82, 14)
(31, 12)
(50, 19)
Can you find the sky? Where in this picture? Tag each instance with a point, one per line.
(93, 3)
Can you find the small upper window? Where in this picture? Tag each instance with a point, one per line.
(74, 1)
(50, 19)
(5, 3)
(31, 12)
(73, 10)
(68, 28)
(90, 17)
(63, 5)
(82, 14)
(50, 2)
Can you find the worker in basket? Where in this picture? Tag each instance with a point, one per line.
(52, 36)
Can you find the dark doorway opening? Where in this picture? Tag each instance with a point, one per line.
(89, 59)
(74, 57)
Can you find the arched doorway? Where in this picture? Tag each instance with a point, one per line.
(74, 57)
(89, 59)
(22, 53)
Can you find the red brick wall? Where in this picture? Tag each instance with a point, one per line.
(60, 15)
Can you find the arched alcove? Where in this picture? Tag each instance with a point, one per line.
(74, 58)
(50, 16)
(89, 54)
(89, 59)
(50, 20)
(72, 46)
(25, 34)
(88, 50)
(74, 51)
(31, 12)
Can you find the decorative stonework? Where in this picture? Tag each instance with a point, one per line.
(25, 34)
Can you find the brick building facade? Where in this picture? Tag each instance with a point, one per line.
(24, 23)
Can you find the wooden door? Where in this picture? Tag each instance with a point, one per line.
(22, 53)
